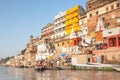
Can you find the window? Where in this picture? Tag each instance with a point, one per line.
(112, 42)
(90, 15)
(118, 5)
(59, 24)
(107, 26)
(89, 7)
(61, 18)
(103, 19)
(107, 9)
(96, 12)
(62, 43)
(63, 28)
(68, 42)
(55, 20)
(59, 29)
(82, 22)
(112, 7)
(58, 19)
(63, 22)
(55, 31)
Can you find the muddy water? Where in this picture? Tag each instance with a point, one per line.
(9, 73)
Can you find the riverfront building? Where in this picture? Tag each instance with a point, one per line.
(89, 37)
(61, 39)
(72, 18)
(59, 25)
(103, 22)
(30, 53)
(47, 31)
(101, 25)
(102, 15)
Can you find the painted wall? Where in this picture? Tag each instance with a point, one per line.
(79, 59)
(72, 19)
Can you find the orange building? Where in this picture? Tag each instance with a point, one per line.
(113, 37)
(74, 39)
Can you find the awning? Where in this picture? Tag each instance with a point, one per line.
(63, 54)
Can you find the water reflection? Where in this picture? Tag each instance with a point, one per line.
(9, 73)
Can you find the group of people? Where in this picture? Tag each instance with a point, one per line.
(53, 62)
(40, 65)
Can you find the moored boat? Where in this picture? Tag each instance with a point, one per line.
(117, 68)
(39, 68)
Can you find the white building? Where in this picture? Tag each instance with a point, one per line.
(59, 25)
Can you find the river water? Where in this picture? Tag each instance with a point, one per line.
(10, 73)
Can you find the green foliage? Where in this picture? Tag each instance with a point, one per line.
(6, 59)
(23, 51)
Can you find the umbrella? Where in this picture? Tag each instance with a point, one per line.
(63, 55)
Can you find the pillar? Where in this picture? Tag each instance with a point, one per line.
(108, 42)
(117, 42)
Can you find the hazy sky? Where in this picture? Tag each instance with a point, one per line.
(21, 18)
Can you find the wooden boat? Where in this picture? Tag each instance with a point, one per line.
(39, 68)
(116, 68)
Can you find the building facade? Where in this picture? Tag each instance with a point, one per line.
(59, 25)
(97, 29)
(47, 31)
(31, 51)
(72, 18)
(102, 18)
(106, 10)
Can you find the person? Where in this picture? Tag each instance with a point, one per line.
(102, 58)
(51, 63)
(41, 66)
(58, 63)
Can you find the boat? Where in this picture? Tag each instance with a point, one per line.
(116, 68)
(39, 68)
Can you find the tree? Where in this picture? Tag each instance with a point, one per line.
(6, 59)
(23, 51)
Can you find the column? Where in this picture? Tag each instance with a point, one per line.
(108, 42)
(117, 42)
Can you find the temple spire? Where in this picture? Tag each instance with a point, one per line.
(100, 26)
(73, 34)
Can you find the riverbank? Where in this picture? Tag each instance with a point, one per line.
(99, 67)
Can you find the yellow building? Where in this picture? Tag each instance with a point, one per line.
(61, 45)
(72, 18)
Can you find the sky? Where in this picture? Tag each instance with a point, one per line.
(21, 18)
